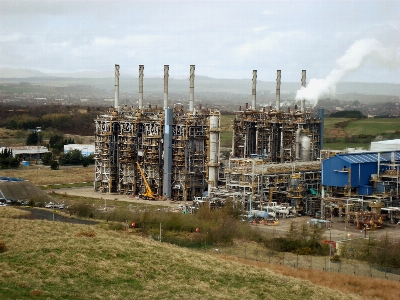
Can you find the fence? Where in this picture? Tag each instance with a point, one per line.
(343, 266)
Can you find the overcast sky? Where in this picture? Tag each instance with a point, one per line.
(224, 39)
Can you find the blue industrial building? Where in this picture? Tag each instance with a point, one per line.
(358, 172)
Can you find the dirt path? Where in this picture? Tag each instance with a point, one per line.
(90, 193)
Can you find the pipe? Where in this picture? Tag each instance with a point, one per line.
(303, 84)
(191, 92)
(116, 104)
(253, 91)
(141, 69)
(379, 164)
(166, 75)
(298, 132)
(278, 90)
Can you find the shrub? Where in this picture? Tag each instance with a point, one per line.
(55, 165)
(35, 202)
(82, 210)
(335, 258)
(3, 247)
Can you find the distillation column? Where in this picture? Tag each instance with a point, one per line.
(303, 84)
(168, 152)
(191, 95)
(253, 91)
(116, 105)
(141, 68)
(166, 75)
(213, 162)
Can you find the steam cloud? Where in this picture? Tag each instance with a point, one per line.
(352, 60)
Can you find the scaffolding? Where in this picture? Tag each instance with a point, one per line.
(276, 136)
(129, 136)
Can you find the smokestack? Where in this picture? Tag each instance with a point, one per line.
(166, 75)
(321, 113)
(303, 84)
(116, 105)
(253, 90)
(191, 95)
(278, 90)
(141, 69)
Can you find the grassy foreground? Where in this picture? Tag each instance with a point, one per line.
(46, 260)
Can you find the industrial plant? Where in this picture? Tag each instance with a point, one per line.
(157, 152)
(276, 168)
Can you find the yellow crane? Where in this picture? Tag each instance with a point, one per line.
(148, 194)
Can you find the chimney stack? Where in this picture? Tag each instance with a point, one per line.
(166, 75)
(253, 91)
(116, 105)
(303, 84)
(141, 68)
(191, 95)
(278, 90)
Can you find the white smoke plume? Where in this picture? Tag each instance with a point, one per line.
(352, 60)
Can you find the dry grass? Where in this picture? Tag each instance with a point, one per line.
(42, 175)
(55, 263)
(10, 212)
(367, 288)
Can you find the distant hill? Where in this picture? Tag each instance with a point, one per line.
(203, 85)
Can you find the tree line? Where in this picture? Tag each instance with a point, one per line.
(7, 160)
(71, 120)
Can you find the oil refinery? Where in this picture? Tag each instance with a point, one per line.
(276, 166)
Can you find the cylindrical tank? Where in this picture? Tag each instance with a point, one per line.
(213, 162)
(305, 148)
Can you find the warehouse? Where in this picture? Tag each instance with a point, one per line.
(366, 174)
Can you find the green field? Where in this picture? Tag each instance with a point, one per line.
(359, 133)
(386, 128)
(226, 130)
(374, 127)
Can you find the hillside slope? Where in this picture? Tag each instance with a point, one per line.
(68, 261)
(23, 190)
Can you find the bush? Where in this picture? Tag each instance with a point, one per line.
(335, 258)
(47, 158)
(3, 247)
(35, 202)
(82, 210)
(55, 165)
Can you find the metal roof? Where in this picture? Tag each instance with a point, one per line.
(369, 157)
